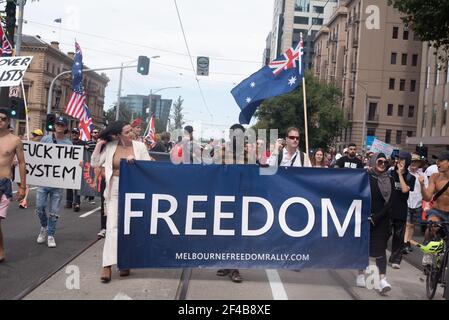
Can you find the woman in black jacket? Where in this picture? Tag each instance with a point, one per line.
(382, 186)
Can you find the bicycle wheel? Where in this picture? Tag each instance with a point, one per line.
(433, 275)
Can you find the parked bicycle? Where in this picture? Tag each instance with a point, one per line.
(438, 271)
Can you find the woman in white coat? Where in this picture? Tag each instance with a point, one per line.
(115, 143)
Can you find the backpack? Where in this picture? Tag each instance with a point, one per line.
(301, 157)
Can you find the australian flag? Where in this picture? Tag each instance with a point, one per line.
(281, 76)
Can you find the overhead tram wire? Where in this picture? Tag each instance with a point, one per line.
(136, 44)
(191, 61)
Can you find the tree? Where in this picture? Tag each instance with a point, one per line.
(177, 115)
(125, 115)
(429, 19)
(326, 119)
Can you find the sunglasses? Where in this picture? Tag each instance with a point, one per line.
(382, 162)
(3, 119)
(293, 138)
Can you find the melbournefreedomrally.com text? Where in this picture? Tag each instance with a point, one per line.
(241, 256)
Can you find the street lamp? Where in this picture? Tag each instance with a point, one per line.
(151, 100)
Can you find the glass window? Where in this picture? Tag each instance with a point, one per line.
(411, 111)
(406, 34)
(414, 60)
(399, 137)
(400, 110)
(394, 56)
(395, 32)
(317, 21)
(392, 84)
(404, 59)
(302, 5)
(318, 9)
(301, 20)
(390, 110)
(388, 136)
(409, 134)
(402, 85)
(413, 85)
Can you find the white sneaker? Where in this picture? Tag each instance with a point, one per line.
(102, 234)
(51, 243)
(427, 259)
(395, 266)
(42, 235)
(384, 286)
(361, 281)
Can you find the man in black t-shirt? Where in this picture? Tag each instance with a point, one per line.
(404, 183)
(350, 161)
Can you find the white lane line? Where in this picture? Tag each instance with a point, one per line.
(89, 213)
(277, 288)
(14, 192)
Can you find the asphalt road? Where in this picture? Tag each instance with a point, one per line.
(28, 263)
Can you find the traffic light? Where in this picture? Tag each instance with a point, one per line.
(17, 106)
(143, 67)
(50, 123)
(10, 11)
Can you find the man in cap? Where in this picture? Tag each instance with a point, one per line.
(439, 193)
(49, 199)
(73, 199)
(10, 146)
(37, 135)
(404, 184)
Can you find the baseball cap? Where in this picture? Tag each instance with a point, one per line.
(416, 157)
(75, 130)
(38, 132)
(443, 156)
(62, 120)
(345, 150)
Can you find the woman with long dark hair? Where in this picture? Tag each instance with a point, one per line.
(114, 144)
(382, 187)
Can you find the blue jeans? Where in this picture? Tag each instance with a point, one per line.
(51, 198)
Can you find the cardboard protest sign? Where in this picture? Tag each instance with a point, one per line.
(53, 165)
(382, 147)
(12, 70)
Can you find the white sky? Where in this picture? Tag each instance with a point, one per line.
(111, 32)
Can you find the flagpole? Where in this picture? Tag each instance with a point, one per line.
(306, 127)
(26, 111)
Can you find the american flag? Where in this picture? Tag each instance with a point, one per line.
(75, 107)
(86, 125)
(151, 137)
(6, 46)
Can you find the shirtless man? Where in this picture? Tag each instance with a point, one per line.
(10, 147)
(440, 210)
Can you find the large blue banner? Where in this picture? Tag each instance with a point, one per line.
(195, 216)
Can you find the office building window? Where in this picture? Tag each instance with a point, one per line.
(409, 134)
(301, 20)
(405, 35)
(415, 60)
(395, 32)
(402, 85)
(318, 9)
(394, 57)
(411, 111)
(392, 84)
(317, 21)
(412, 85)
(444, 118)
(400, 110)
(372, 111)
(390, 110)
(388, 136)
(404, 59)
(302, 5)
(399, 137)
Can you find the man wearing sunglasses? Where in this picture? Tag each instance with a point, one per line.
(288, 154)
(10, 147)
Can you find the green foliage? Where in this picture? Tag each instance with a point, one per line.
(325, 116)
(177, 115)
(429, 19)
(125, 115)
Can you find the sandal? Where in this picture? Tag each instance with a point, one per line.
(223, 272)
(106, 278)
(125, 273)
(236, 277)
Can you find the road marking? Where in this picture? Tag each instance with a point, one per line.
(14, 192)
(277, 288)
(122, 296)
(89, 213)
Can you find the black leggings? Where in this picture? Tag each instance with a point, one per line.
(381, 263)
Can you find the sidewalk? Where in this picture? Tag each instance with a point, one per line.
(408, 283)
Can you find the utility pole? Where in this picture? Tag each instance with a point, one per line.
(119, 95)
(21, 4)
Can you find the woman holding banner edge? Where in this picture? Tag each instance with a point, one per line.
(115, 143)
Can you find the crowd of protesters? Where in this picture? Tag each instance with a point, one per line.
(403, 187)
